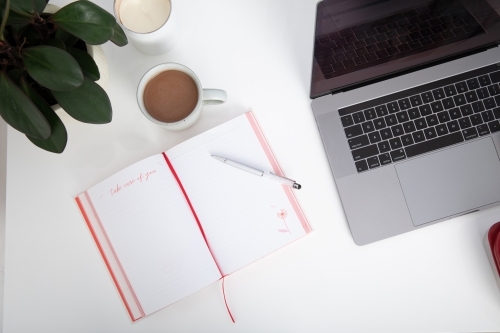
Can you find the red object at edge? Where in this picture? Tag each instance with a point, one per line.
(494, 242)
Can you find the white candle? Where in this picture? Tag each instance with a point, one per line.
(149, 24)
(144, 16)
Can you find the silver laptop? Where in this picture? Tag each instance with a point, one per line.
(406, 97)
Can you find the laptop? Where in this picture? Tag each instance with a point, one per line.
(406, 97)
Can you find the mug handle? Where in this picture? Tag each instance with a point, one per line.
(214, 96)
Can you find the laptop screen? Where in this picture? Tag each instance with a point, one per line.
(359, 41)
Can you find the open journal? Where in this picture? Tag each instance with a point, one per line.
(178, 221)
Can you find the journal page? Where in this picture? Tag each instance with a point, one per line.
(153, 234)
(244, 217)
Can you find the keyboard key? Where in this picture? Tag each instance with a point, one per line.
(416, 100)
(395, 143)
(430, 133)
(418, 136)
(407, 140)
(384, 159)
(420, 123)
(438, 93)
(466, 110)
(425, 110)
(484, 80)
(353, 131)
(441, 130)
(384, 147)
(471, 96)
(496, 112)
(487, 116)
(374, 137)
(370, 114)
(459, 99)
(494, 89)
(358, 117)
(494, 126)
(358, 142)
(404, 104)
(347, 120)
(437, 143)
(393, 107)
(478, 106)
(455, 113)
(381, 110)
(464, 123)
(431, 120)
(482, 93)
(450, 90)
(443, 116)
(373, 162)
(364, 152)
(402, 116)
(437, 106)
(386, 133)
(473, 83)
(476, 119)
(368, 127)
(391, 120)
(453, 126)
(413, 113)
(489, 103)
(470, 133)
(483, 129)
(427, 97)
(409, 127)
(361, 166)
(397, 130)
(398, 155)
(448, 103)
(461, 87)
(379, 123)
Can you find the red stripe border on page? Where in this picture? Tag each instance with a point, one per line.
(89, 225)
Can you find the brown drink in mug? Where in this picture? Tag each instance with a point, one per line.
(171, 96)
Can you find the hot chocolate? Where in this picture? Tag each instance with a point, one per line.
(170, 96)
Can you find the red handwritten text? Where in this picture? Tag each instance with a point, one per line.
(142, 177)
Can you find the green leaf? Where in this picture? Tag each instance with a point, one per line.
(119, 38)
(85, 20)
(53, 68)
(15, 18)
(57, 140)
(66, 37)
(27, 7)
(86, 62)
(87, 103)
(56, 43)
(19, 111)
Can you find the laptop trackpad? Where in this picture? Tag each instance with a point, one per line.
(452, 181)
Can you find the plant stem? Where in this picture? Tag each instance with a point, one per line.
(4, 19)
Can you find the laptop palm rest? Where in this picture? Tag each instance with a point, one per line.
(451, 182)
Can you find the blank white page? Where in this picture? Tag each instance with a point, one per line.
(153, 233)
(244, 217)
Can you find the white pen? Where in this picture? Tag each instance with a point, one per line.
(269, 175)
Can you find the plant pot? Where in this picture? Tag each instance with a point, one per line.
(96, 52)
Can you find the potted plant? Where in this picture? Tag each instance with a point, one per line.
(44, 61)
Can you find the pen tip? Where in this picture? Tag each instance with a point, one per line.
(297, 186)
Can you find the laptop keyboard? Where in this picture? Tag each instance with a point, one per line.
(424, 118)
(397, 36)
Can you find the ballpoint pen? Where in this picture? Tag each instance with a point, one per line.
(257, 172)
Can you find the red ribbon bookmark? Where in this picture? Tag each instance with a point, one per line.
(200, 227)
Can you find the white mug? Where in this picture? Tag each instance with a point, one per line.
(155, 42)
(205, 96)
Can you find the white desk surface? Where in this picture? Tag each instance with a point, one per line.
(435, 279)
